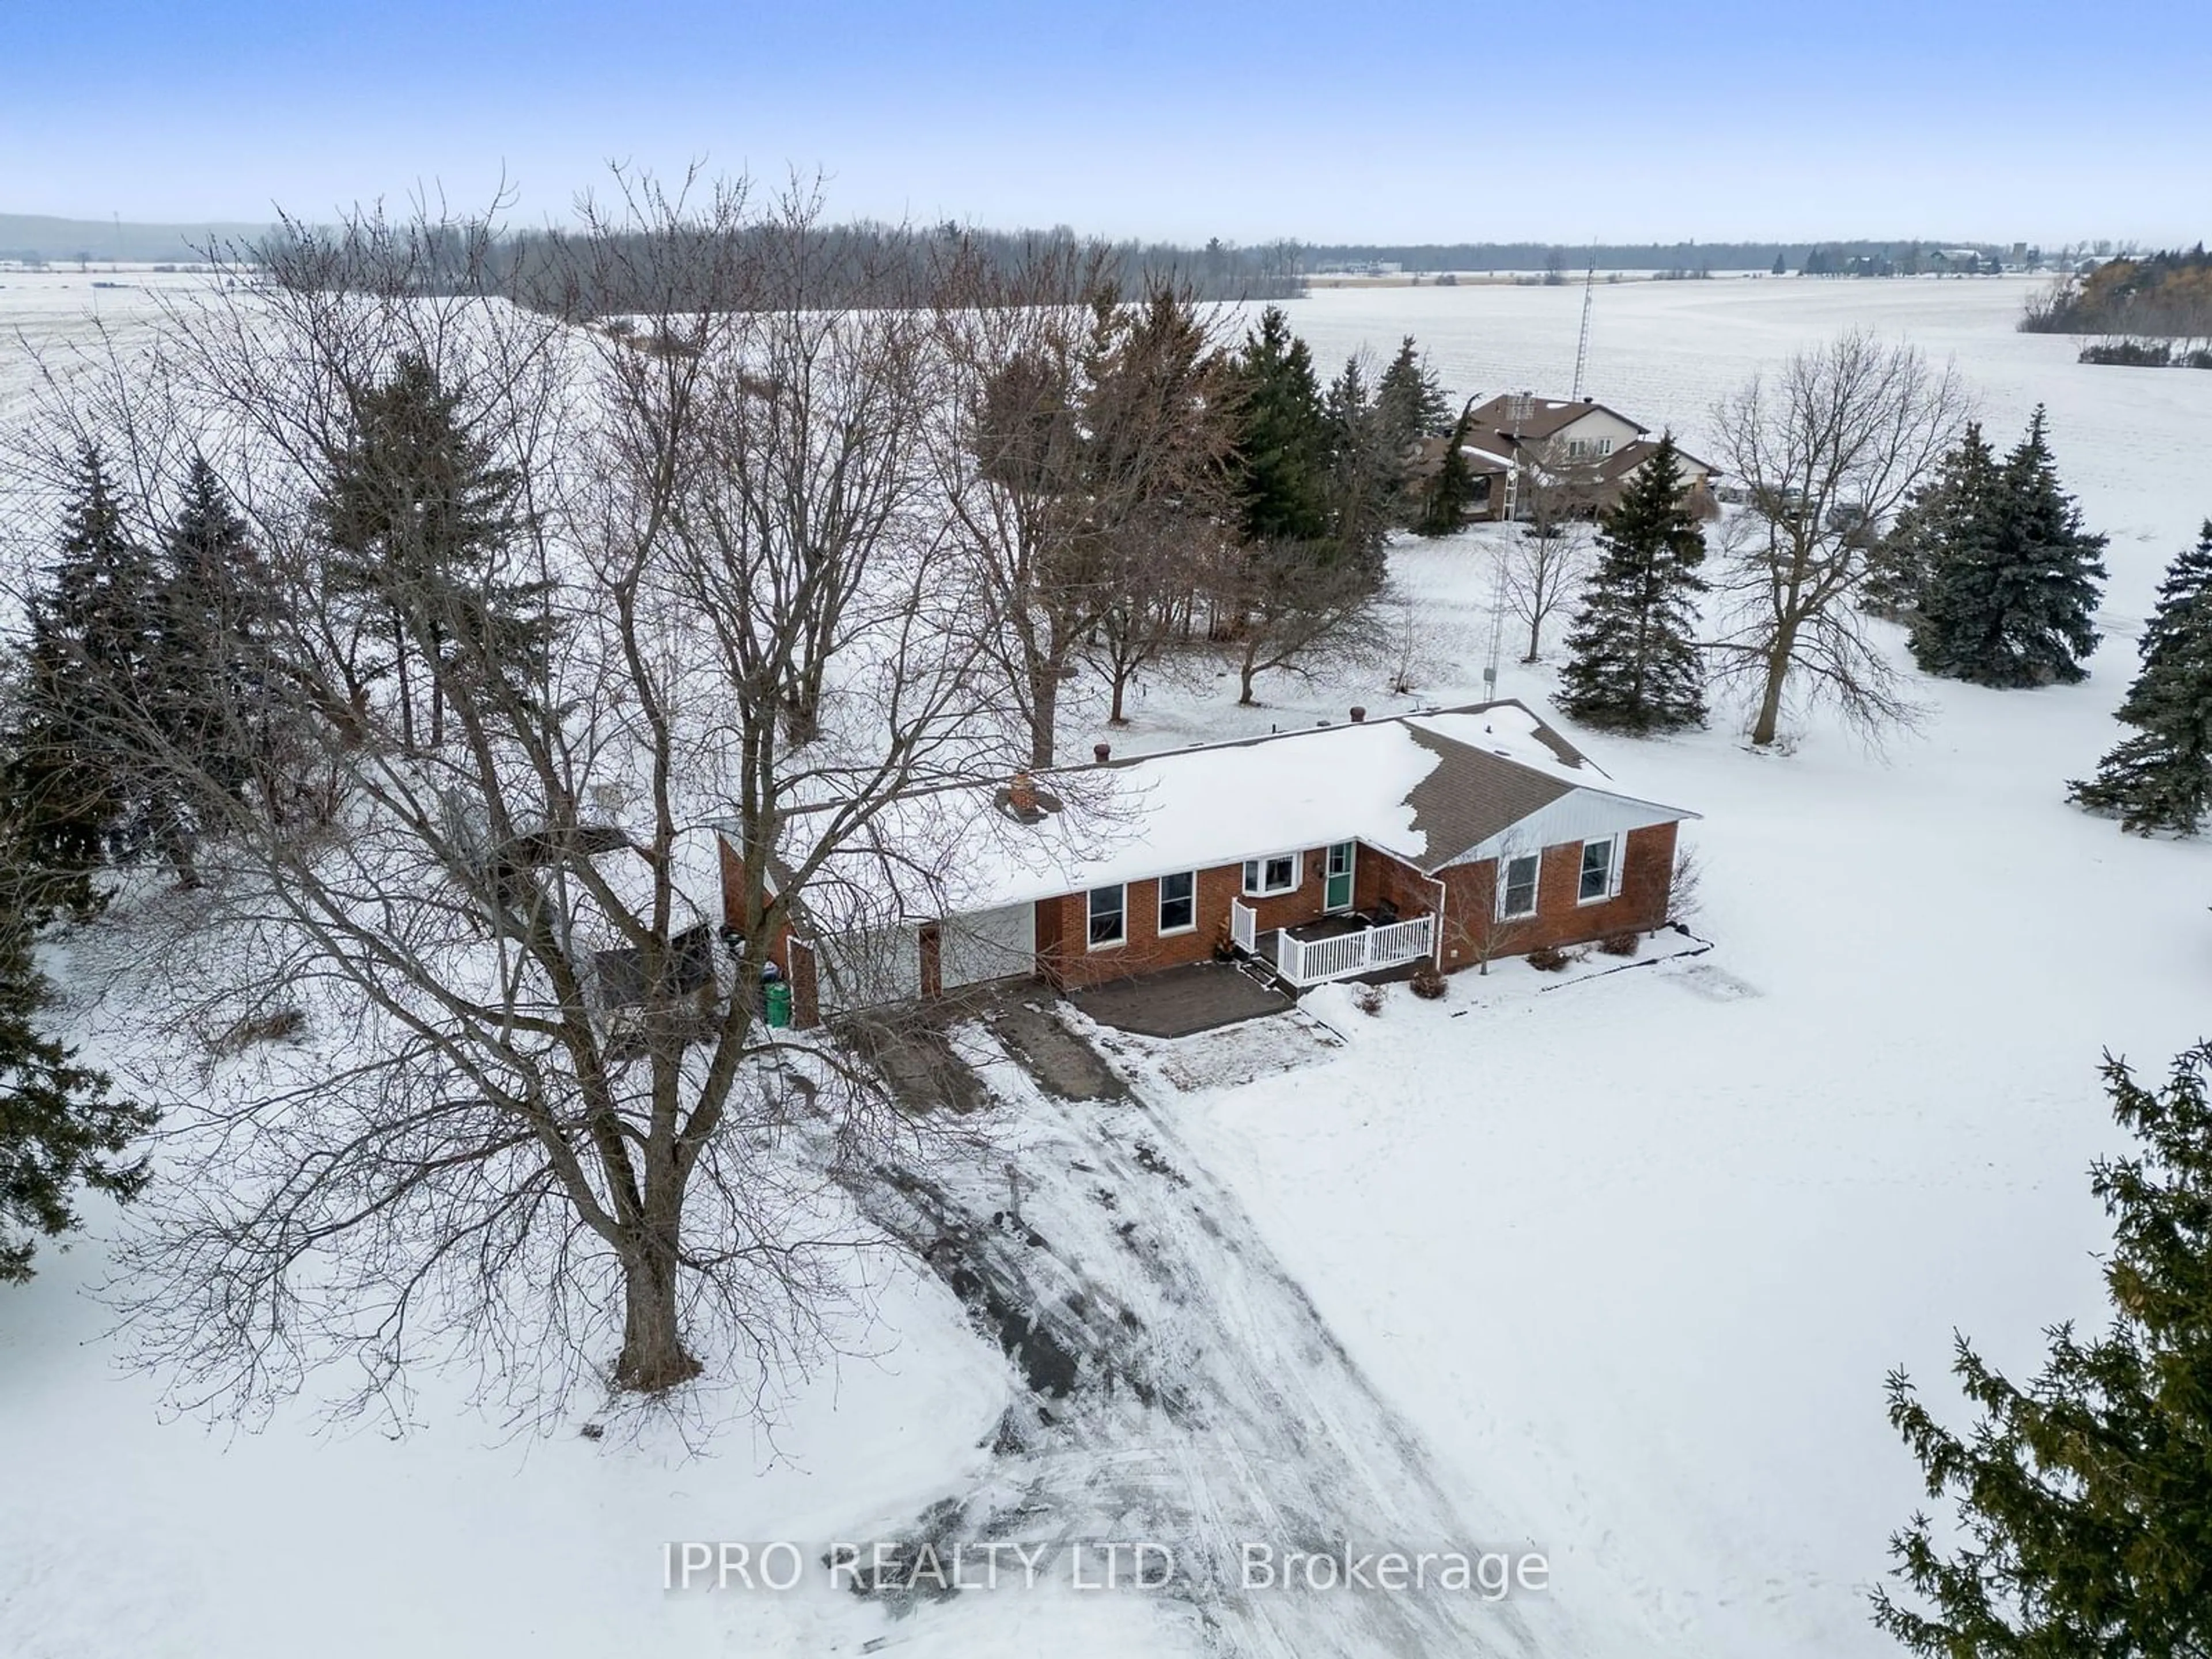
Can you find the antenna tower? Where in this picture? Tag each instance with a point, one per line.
(1582, 347)
(1497, 629)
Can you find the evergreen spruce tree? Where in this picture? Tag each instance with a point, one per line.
(1949, 512)
(73, 769)
(1281, 471)
(1634, 663)
(2084, 1497)
(1362, 471)
(60, 1129)
(2009, 602)
(1411, 404)
(422, 522)
(217, 617)
(2160, 779)
(1451, 490)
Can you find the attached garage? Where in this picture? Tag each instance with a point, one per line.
(987, 944)
(860, 970)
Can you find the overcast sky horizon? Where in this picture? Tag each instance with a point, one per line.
(1716, 119)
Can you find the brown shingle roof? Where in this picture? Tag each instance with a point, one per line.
(1544, 417)
(1626, 458)
(1472, 795)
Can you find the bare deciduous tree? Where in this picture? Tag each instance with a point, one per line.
(1545, 563)
(1151, 567)
(1298, 608)
(1827, 450)
(546, 1128)
(1077, 423)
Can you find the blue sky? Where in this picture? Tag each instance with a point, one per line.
(1591, 119)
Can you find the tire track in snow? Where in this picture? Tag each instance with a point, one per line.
(1178, 1386)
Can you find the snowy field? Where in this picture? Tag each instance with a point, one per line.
(1618, 1267)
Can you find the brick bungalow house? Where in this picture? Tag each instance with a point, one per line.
(1456, 835)
(1595, 450)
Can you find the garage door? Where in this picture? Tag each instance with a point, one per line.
(858, 971)
(989, 945)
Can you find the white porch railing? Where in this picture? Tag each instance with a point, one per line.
(1243, 930)
(1365, 951)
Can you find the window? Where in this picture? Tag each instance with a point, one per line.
(1516, 896)
(1597, 881)
(1179, 903)
(1275, 875)
(1107, 921)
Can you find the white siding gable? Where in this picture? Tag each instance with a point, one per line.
(1579, 815)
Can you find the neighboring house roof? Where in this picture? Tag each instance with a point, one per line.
(1626, 458)
(1542, 417)
(1434, 788)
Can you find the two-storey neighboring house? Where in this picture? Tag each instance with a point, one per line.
(1583, 450)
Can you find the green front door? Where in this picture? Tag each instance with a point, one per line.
(1336, 891)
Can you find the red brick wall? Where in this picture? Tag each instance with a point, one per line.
(1376, 876)
(1647, 875)
(733, 881)
(798, 967)
(1064, 924)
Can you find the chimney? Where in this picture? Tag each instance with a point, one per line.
(1101, 752)
(1021, 793)
(1357, 713)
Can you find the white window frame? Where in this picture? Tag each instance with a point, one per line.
(1190, 927)
(1255, 875)
(1506, 886)
(1121, 916)
(1613, 862)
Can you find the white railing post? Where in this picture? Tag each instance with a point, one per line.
(1241, 933)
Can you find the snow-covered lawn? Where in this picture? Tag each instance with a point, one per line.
(1630, 1256)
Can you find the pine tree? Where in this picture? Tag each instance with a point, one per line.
(1948, 512)
(1451, 490)
(218, 613)
(1282, 462)
(2085, 1497)
(1634, 663)
(59, 1127)
(2010, 604)
(2160, 779)
(1411, 404)
(420, 520)
(74, 767)
(1362, 471)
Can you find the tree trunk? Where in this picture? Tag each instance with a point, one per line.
(1044, 711)
(653, 1355)
(1115, 715)
(1246, 670)
(406, 690)
(1770, 702)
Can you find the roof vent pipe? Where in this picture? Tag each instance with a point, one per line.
(1101, 752)
(1357, 713)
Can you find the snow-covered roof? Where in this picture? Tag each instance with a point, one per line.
(1429, 787)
